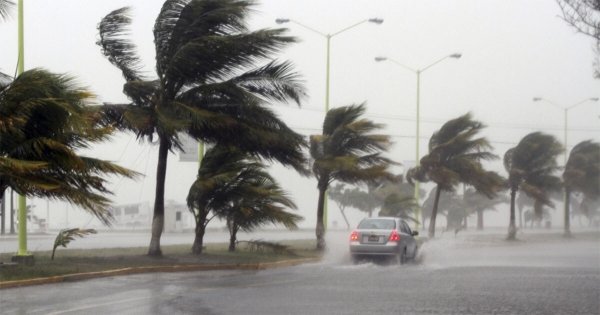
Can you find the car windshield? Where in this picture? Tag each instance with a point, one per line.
(377, 224)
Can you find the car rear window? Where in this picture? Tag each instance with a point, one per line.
(377, 224)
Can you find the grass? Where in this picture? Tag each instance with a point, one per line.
(70, 261)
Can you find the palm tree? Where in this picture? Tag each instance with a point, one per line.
(530, 166)
(233, 186)
(207, 85)
(582, 174)
(257, 200)
(44, 121)
(342, 197)
(396, 205)
(479, 203)
(348, 152)
(455, 156)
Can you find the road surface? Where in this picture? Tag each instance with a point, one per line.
(452, 276)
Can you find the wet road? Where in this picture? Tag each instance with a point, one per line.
(451, 277)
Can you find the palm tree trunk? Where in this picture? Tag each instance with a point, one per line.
(480, 219)
(567, 212)
(434, 212)
(158, 220)
(320, 230)
(199, 238)
(512, 229)
(233, 229)
(3, 206)
(520, 217)
(342, 210)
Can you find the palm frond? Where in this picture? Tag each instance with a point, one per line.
(65, 236)
(5, 8)
(119, 50)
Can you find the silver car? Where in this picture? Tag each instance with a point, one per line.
(383, 236)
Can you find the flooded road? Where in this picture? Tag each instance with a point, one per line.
(451, 276)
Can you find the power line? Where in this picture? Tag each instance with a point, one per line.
(495, 125)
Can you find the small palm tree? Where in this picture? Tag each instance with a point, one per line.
(479, 203)
(531, 166)
(209, 194)
(349, 152)
(455, 156)
(44, 121)
(257, 200)
(208, 84)
(341, 196)
(582, 174)
(233, 186)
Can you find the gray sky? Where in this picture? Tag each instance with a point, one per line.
(512, 51)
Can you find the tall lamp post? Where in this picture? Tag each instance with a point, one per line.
(418, 132)
(328, 37)
(566, 155)
(22, 255)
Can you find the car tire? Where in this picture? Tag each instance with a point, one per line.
(401, 257)
(354, 259)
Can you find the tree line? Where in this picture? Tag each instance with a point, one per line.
(214, 81)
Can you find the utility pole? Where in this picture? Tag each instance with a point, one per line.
(12, 212)
(3, 218)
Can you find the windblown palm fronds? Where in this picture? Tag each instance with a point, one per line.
(213, 79)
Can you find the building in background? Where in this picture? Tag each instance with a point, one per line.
(138, 216)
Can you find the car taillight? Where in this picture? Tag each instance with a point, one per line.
(354, 236)
(394, 237)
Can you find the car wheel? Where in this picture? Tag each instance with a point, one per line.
(401, 257)
(355, 259)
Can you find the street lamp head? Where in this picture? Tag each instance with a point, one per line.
(376, 20)
(595, 99)
(456, 55)
(380, 58)
(281, 21)
(537, 99)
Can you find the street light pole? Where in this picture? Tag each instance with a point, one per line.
(328, 38)
(418, 122)
(566, 154)
(22, 255)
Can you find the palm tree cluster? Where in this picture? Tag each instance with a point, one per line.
(531, 167)
(207, 85)
(581, 174)
(214, 80)
(455, 156)
(233, 186)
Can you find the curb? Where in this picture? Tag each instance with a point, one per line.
(150, 269)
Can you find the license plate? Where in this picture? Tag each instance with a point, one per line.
(373, 238)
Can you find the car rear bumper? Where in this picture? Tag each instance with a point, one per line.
(357, 248)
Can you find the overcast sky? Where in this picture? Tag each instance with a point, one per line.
(511, 51)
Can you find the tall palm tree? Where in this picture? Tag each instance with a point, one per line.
(207, 85)
(455, 156)
(349, 152)
(531, 166)
(582, 174)
(44, 122)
